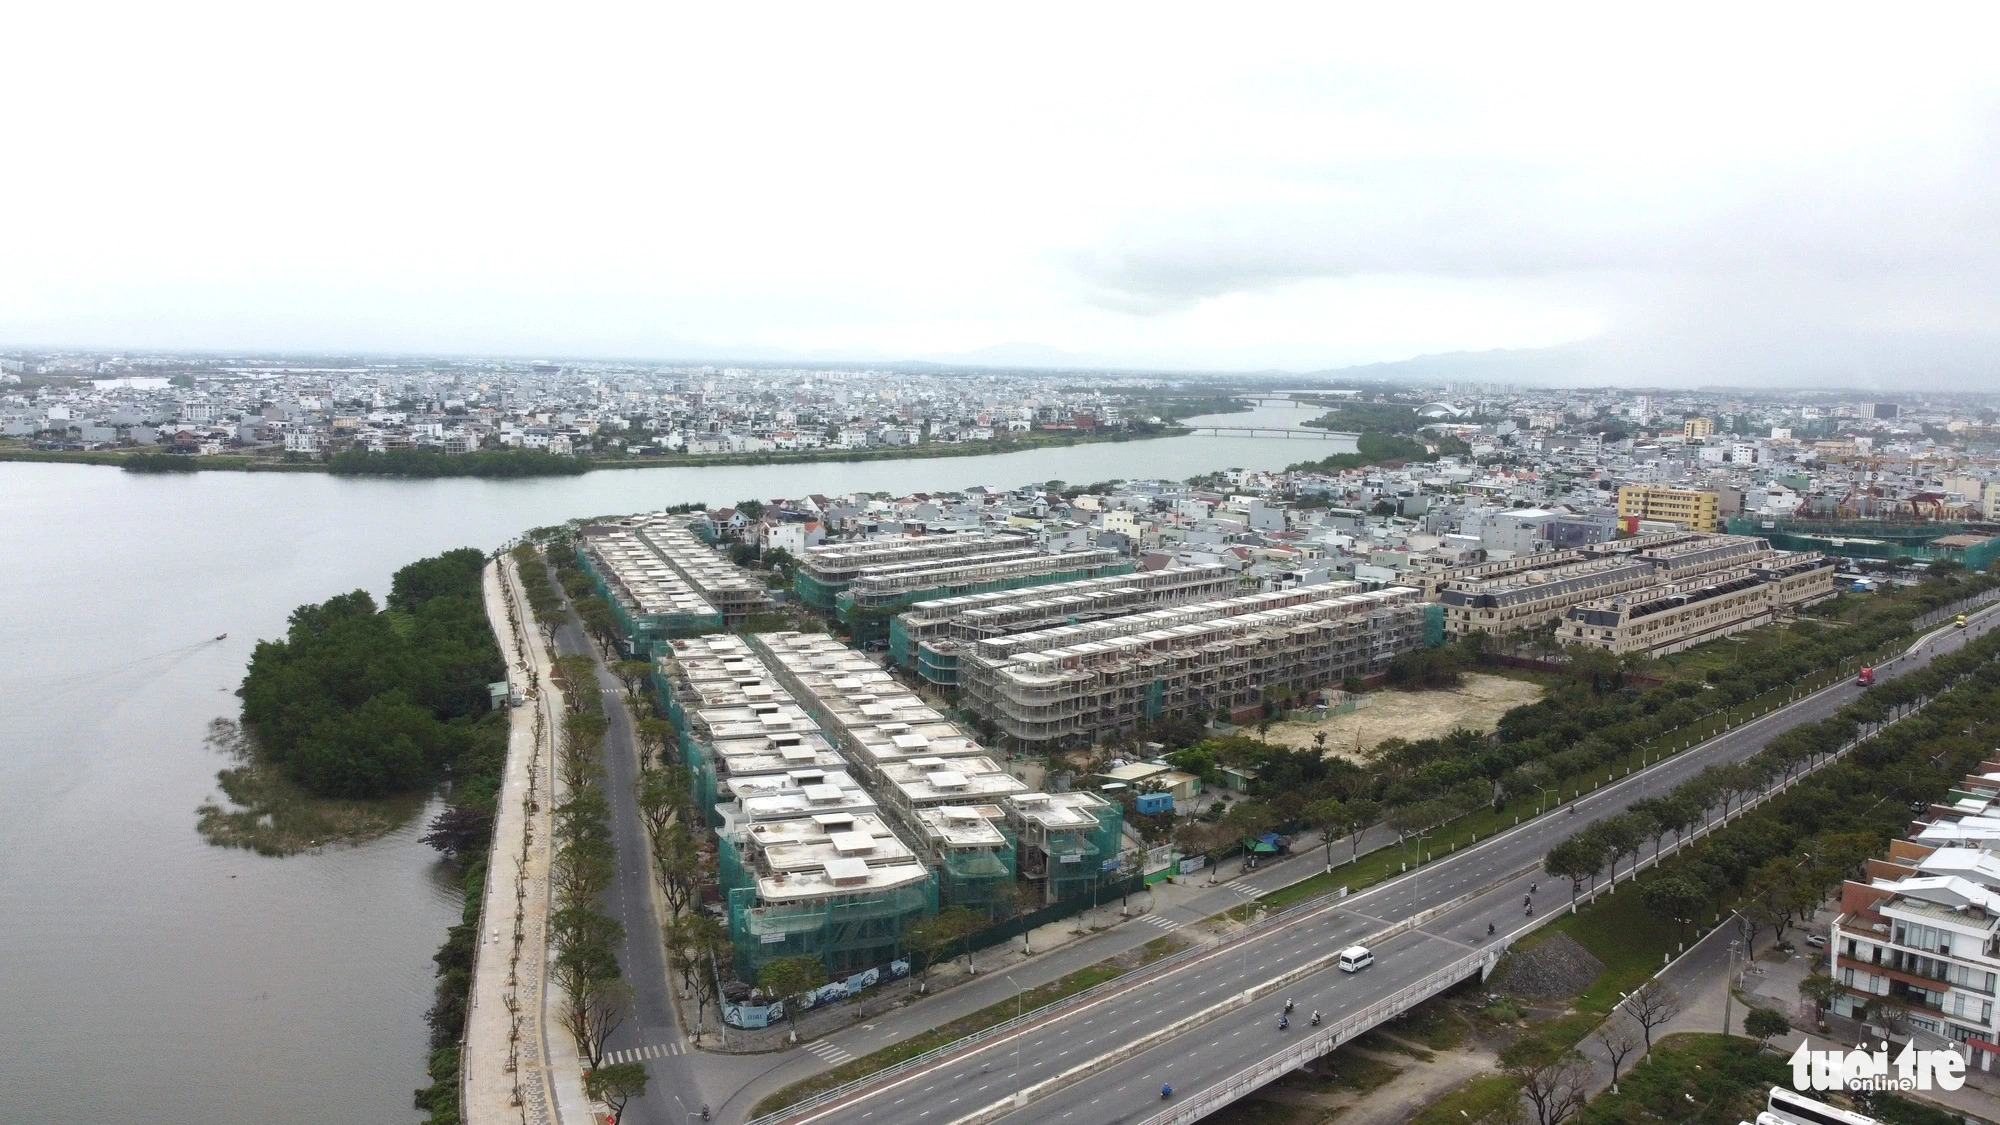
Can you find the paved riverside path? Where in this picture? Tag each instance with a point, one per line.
(1127, 1089)
(491, 1093)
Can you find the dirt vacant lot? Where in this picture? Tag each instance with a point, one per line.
(1476, 704)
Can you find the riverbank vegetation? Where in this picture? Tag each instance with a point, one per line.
(351, 720)
(264, 811)
(1010, 443)
(1372, 448)
(358, 701)
(423, 463)
(419, 464)
(159, 463)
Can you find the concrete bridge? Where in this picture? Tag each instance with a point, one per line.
(1272, 432)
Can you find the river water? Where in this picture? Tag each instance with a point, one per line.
(147, 976)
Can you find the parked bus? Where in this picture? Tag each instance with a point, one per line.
(1787, 1108)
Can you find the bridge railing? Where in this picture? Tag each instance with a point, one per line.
(1270, 1068)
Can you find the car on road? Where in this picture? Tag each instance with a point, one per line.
(1355, 958)
(1817, 941)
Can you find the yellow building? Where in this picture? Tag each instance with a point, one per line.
(1695, 428)
(1696, 511)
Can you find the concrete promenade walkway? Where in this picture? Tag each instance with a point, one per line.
(516, 1063)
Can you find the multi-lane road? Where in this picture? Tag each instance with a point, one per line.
(1091, 1042)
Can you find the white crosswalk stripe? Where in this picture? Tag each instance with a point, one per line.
(640, 1054)
(829, 1052)
(1161, 921)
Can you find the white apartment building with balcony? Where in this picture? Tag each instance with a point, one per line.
(1922, 937)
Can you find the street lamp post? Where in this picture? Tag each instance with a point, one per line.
(1729, 986)
(1018, 1090)
(1540, 798)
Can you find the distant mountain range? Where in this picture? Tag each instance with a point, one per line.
(1856, 362)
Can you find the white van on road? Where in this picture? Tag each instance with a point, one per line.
(1355, 958)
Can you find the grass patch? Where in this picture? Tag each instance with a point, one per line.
(1351, 1070)
(264, 812)
(1488, 1097)
(1435, 1023)
(1693, 1078)
(1260, 1111)
(1385, 1045)
(1720, 1079)
(1088, 977)
(1618, 930)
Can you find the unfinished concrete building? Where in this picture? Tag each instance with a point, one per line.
(651, 601)
(733, 591)
(1074, 686)
(928, 636)
(1000, 648)
(952, 805)
(840, 887)
(1670, 616)
(1535, 597)
(731, 719)
(938, 785)
(1065, 841)
(825, 571)
(877, 594)
(790, 795)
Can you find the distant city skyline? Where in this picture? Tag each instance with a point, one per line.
(1594, 197)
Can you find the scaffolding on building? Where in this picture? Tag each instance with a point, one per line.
(879, 593)
(929, 635)
(648, 599)
(1074, 692)
(1065, 840)
(733, 591)
(1535, 596)
(938, 785)
(825, 571)
(846, 918)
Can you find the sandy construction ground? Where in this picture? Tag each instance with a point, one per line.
(1476, 704)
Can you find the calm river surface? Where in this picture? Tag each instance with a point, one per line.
(146, 976)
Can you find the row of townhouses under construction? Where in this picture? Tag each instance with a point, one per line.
(845, 808)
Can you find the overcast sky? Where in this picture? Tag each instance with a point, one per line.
(1229, 187)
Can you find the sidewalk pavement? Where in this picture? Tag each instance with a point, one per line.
(516, 1063)
(1701, 978)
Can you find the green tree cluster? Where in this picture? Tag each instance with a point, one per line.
(596, 1000)
(159, 463)
(1779, 861)
(1372, 448)
(358, 701)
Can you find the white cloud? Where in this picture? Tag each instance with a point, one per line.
(1280, 186)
